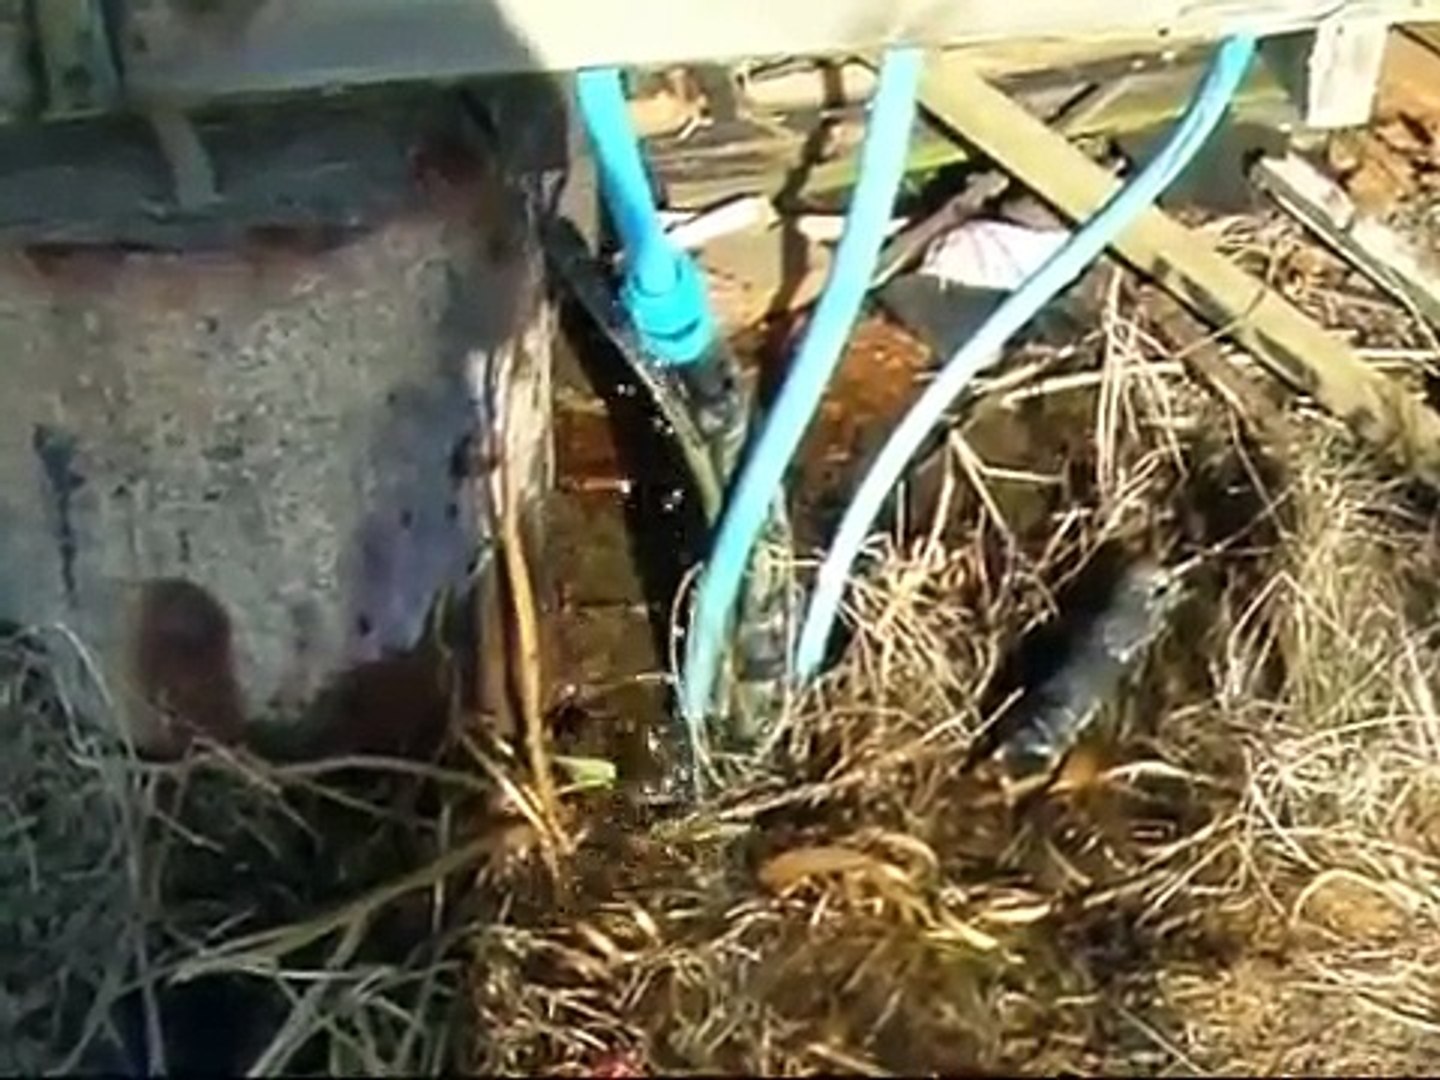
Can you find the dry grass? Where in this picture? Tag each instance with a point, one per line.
(1327, 685)
(1237, 875)
(1239, 871)
(70, 901)
(219, 913)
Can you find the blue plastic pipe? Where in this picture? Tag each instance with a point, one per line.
(663, 290)
(882, 163)
(1212, 99)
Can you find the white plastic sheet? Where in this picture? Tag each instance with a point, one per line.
(990, 254)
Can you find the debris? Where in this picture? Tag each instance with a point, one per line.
(588, 773)
(965, 274)
(675, 104)
(1400, 266)
(799, 865)
(1290, 344)
(1224, 377)
(940, 314)
(693, 230)
(808, 85)
(987, 254)
(828, 228)
(1376, 174)
(1092, 93)
(752, 275)
(978, 189)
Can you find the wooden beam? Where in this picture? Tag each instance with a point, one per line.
(187, 52)
(1411, 80)
(746, 157)
(1428, 34)
(1288, 343)
(1403, 267)
(1343, 74)
(1334, 71)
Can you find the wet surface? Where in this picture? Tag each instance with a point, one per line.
(621, 529)
(624, 528)
(879, 375)
(56, 451)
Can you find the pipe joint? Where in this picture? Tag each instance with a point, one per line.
(674, 325)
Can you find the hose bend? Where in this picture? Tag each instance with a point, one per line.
(1212, 99)
(759, 485)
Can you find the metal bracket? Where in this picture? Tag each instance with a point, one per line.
(77, 56)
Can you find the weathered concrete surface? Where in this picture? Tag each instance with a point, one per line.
(240, 475)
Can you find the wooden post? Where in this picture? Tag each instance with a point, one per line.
(1342, 72)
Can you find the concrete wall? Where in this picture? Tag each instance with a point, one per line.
(244, 475)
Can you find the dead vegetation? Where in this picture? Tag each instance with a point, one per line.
(1239, 873)
(71, 907)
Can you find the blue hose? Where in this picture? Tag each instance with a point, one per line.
(882, 164)
(1209, 106)
(663, 291)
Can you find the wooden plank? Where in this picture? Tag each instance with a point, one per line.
(1427, 34)
(194, 52)
(1288, 343)
(1399, 265)
(1411, 79)
(1342, 72)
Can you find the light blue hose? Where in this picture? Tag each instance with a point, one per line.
(1081, 249)
(663, 291)
(882, 163)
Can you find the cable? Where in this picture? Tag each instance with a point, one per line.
(663, 290)
(759, 485)
(1211, 100)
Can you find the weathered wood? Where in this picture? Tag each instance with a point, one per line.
(1412, 72)
(1343, 74)
(1289, 344)
(1204, 358)
(1402, 267)
(1427, 34)
(191, 51)
(1334, 72)
(748, 157)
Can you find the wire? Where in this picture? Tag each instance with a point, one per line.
(759, 484)
(1211, 100)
